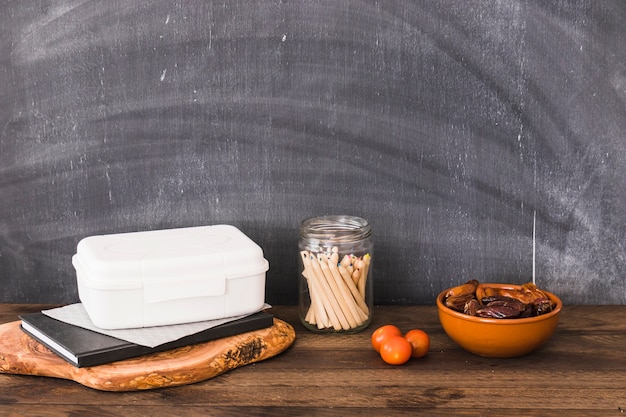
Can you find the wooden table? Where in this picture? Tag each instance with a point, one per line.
(580, 372)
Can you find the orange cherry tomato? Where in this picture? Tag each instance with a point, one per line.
(383, 333)
(420, 342)
(396, 350)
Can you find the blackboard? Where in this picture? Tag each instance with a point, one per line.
(471, 134)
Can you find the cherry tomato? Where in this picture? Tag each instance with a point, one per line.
(396, 350)
(383, 333)
(420, 342)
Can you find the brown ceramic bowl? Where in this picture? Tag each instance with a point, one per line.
(499, 338)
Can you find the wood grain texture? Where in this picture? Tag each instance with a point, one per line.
(21, 354)
(580, 372)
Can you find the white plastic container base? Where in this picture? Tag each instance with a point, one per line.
(163, 277)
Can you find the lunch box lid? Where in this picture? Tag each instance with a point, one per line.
(169, 264)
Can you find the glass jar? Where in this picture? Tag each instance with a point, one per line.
(335, 280)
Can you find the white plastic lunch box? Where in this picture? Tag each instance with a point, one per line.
(162, 277)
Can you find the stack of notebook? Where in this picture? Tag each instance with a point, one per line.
(83, 347)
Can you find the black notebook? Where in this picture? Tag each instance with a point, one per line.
(82, 347)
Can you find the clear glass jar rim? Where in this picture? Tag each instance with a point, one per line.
(338, 228)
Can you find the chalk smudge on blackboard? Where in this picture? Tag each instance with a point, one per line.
(451, 128)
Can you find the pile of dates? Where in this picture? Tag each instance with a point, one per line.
(475, 299)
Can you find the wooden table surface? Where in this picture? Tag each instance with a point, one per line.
(580, 372)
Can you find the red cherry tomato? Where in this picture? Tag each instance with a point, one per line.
(383, 333)
(396, 350)
(420, 342)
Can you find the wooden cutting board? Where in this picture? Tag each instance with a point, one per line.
(21, 354)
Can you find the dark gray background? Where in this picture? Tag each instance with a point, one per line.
(448, 124)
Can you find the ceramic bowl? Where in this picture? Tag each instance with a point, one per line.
(499, 338)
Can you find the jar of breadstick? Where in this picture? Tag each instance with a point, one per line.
(335, 288)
